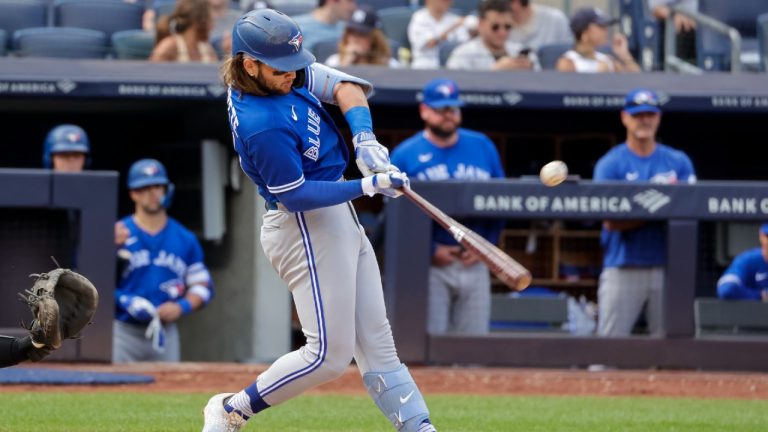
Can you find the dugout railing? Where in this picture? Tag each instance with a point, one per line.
(71, 216)
(407, 238)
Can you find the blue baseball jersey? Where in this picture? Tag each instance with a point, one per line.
(162, 267)
(644, 246)
(746, 277)
(473, 157)
(284, 140)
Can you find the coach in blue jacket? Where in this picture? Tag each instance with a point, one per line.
(747, 276)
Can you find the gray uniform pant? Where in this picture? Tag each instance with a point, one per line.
(621, 296)
(331, 271)
(130, 345)
(459, 299)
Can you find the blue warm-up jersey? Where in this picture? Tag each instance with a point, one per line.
(644, 246)
(745, 278)
(284, 140)
(162, 267)
(472, 158)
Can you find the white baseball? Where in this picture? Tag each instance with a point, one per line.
(553, 173)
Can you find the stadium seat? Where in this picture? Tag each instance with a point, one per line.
(548, 54)
(643, 33)
(713, 49)
(762, 41)
(445, 50)
(465, 7)
(324, 49)
(133, 44)
(19, 14)
(3, 37)
(394, 22)
(108, 16)
(383, 4)
(61, 42)
(294, 7)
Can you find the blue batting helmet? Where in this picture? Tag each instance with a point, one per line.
(150, 172)
(273, 38)
(65, 138)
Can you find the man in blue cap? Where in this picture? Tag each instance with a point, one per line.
(635, 251)
(459, 283)
(747, 276)
(66, 149)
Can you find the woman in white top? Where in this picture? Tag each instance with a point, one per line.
(430, 27)
(363, 42)
(590, 30)
(183, 35)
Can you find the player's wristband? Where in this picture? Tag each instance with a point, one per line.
(186, 306)
(359, 119)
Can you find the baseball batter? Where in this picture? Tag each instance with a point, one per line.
(291, 149)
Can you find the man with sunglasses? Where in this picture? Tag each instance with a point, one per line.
(635, 251)
(291, 149)
(459, 283)
(492, 49)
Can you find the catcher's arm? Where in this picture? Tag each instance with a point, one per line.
(16, 350)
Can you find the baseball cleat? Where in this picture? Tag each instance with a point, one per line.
(217, 419)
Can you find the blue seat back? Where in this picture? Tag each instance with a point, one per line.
(3, 38)
(394, 23)
(61, 42)
(108, 16)
(445, 50)
(19, 14)
(382, 4)
(294, 7)
(324, 49)
(549, 54)
(133, 44)
(762, 40)
(713, 49)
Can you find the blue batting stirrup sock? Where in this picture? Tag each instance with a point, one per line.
(247, 402)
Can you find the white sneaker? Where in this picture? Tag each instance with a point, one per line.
(217, 419)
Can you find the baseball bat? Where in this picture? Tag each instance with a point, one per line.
(509, 271)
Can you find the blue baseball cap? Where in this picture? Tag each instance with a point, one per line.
(642, 100)
(764, 228)
(441, 93)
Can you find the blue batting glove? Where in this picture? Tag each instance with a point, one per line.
(370, 156)
(141, 309)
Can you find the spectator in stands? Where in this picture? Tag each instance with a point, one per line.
(635, 251)
(163, 276)
(430, 28)
(492, 49)
(183, 35)
(66, 149)
(747, 276)
(363, 42)
(326, 21)
(590, 30)
(685, 27)
(459, 283)
(537, 25)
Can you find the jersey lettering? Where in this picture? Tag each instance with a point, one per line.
(170, 261)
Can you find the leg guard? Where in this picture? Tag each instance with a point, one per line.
(396, 395)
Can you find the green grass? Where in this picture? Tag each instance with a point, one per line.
(60, 412)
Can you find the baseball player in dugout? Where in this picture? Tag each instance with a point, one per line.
(747, 276)
(66, 149)
(635, 251)
(291, 149)
(163, 276)
(459, 283)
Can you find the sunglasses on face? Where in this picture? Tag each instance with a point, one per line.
(447, 110)
(496, 27)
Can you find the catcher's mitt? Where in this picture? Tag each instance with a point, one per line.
(62, 303)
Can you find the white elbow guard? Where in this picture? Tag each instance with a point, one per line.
(321, 80)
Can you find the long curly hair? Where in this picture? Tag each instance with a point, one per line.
(186, 14)
(380, 52)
